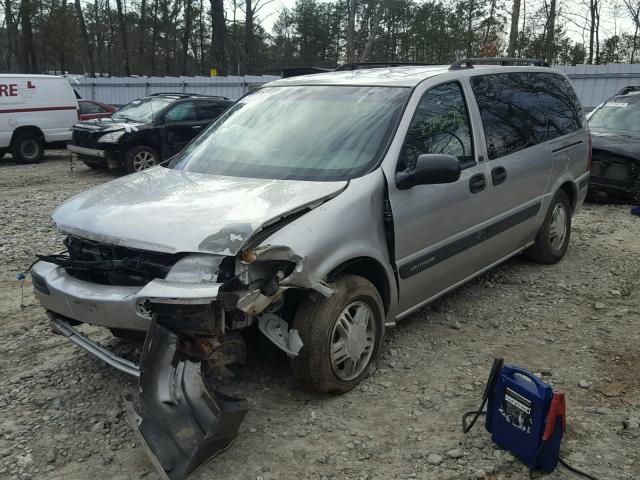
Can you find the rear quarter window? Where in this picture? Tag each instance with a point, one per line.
(523, 109)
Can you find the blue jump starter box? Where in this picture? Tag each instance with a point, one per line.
(526, 417)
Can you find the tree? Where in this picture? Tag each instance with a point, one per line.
(513, 32)
(218, 24)
(85, 38)
(123, 36)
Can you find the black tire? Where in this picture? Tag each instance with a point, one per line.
(131, 163)
(2, 153)
(317, 321)
(28, 147)
(96, 165)
(547, 247)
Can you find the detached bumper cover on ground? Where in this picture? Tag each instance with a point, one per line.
(183, 422)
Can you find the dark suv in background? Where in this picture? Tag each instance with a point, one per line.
(146, 131)
(615, 129)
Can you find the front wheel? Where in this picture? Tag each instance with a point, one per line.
(28, 147)
(553, 238)
(140, 158)
(341, 335)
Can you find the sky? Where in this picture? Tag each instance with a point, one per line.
(613, 18)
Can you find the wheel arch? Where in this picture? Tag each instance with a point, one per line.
(570, 189)
(370, 269)
(27, 129)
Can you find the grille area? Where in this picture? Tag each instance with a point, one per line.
(85, 138)
(114, 265)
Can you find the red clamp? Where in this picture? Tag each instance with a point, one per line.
(557, 408)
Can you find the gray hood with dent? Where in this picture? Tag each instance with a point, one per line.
(173, 211)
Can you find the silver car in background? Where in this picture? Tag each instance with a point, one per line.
(321, 208)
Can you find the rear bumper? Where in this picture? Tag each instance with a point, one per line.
(111, 306)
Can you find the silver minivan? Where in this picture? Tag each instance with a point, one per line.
(320, 209)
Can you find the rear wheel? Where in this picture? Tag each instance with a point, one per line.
(2, 152)
(140, 158)
(341, 335)
(28, 147)
(553, 238)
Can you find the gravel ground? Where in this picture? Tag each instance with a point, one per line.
(576, 323)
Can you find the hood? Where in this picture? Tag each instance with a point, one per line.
(109, 124)
(626, 146)
(173, 211)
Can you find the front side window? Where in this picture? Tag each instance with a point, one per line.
(183, 112)
(440, 124)
(309, 132)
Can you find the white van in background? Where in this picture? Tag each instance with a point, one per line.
(36, 111)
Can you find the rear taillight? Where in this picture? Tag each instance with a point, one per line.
(590, 153)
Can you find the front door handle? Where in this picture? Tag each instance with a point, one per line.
(498, 175)
(196, 127)
(477, 183)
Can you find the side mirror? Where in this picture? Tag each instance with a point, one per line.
(431, 168)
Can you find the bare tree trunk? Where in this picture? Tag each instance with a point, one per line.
(513, 34)
(592, 25)
(12, 32)
(142, 27)
(187, 35)
(28, 57)
(374, 23)
(201, 36)
(472, 7)
(490, 23)
(635, 42)
(154, 37)
(85, 38)
(217, 36)
(551, 30)
(248, 36)
(351, 28)
(99, 36)
(123, 36)
(597, 30)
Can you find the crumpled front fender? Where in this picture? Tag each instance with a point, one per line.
(183, 422)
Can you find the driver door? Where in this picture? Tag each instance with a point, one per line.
(438, 228)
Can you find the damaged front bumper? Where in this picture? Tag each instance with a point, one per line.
(183, 421)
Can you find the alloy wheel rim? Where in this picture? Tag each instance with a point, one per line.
(29, 149)
(558, 226)
(352, 341)
(143, 160)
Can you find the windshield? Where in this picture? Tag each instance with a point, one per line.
(301, 132)
(619, 114)
(142, 110)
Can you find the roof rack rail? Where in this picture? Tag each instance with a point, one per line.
(186, 95)
(504, 61)
(360, 65)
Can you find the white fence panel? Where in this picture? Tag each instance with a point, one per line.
(596, 83)
(122, 90)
